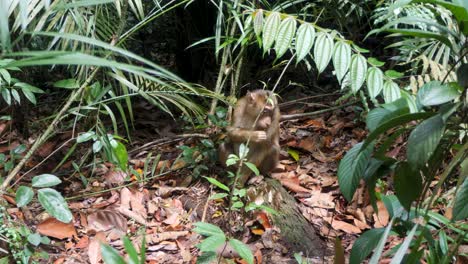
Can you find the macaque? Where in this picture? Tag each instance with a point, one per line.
(264, 133)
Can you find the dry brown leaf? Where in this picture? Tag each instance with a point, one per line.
(138, 202)
(59, 260)
(94, 249)
(114, 177)
(308, 144)
(46, 149)
(83, 242)
(361, 225)
(321, 200)
(293, 185)
(54, 228)
(105, 220)
(346, 227)
(381, 220)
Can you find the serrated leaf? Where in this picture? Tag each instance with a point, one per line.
(364, 245)
(270, 30)
(217, 183)
(323, 50)
(423, 140)
(391, 91)
(24, 195)
(285, 36)
(341, 59)
(358, 71)
(258, 22)
(436, 93)
(460, 209)
(207, 229)
(242, 249)
(54, 204)
(351, 169)
(252, 167)
(45, 180)
(374, 81)
(408, 184)
(304, 40)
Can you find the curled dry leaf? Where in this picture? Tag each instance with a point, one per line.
(106, 220)
(54, 228)
(381, 220)
(346, 227)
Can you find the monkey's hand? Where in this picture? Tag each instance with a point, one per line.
(258, 136)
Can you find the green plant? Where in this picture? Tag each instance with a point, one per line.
(9, 162)
(22, 243)
(111, 256)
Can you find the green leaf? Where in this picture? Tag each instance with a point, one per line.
(375, 62)
(436, 93)
(218, 196)
(408, 184)
(131, 251)
(243, 250)
(24, 195)
(323, 50)
(110, 255)
(410, 100)
(207, 229)
(252, 167)
(379, 115)
(258, 22)
(212, 243)
(6, 95)
(67, 84)
(392, 74)
(364, 245)
(285, 36)
(237, 205)
(34, 239)
(97, 146)
(6, 76)
(460, 209)
(207, 257)
(54, 204)
(351, 169)
(16, 95)
(85, 137)
(423, 140)
(217, 183)
(19, 149)
(270, 30)
(391, 91)
(393, 205)
(380, 246)
(304, 40)
(122, 155)
(45, 180)
(30, 96)
(294, 154)
(374, 81)
(341, 59)
(358, 71)
(398, 258)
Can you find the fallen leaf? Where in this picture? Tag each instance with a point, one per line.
(308, 144)
(321, 200)
(105, 220)
(83, 242)
(54, 228)
(381, 219)
(94, 249)
(346, 227)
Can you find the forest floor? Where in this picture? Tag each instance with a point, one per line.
(165, 207)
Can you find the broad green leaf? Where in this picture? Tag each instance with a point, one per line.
(207, 229)
(393, 74)
(351, 169)
(304, 40)
(374, 81)
(375, 62)
(423, 140)
(237, 205)
(364, 245)
(402, 251)
(30, 96)
(218, 196)
(54, 204)
(379, 115)
(212, 243)
(323, 50)
(460, 209)
(110, 255)
(258, 22)
(6, 95)
(122, 156)
(341, 59)
(45, 180)
(4, 25)
(34, 239)
(391, 91)
(358, 71)
(131, 251)
(85, 137)
(436, 93)
(24, 195)
(410, 100)
(217, 183)
(207, 257)
(6, 76)
(67, 84)
(243, 250)
(408, 184)
(270, 30)
(16, 95)
(285, 36)
(97, 146)
(252, 167)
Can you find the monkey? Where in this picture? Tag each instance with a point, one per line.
(263, 146)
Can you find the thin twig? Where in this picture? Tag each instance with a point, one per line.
(301, 115)
(166, 140)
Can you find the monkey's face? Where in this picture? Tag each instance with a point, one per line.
(260, 102)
